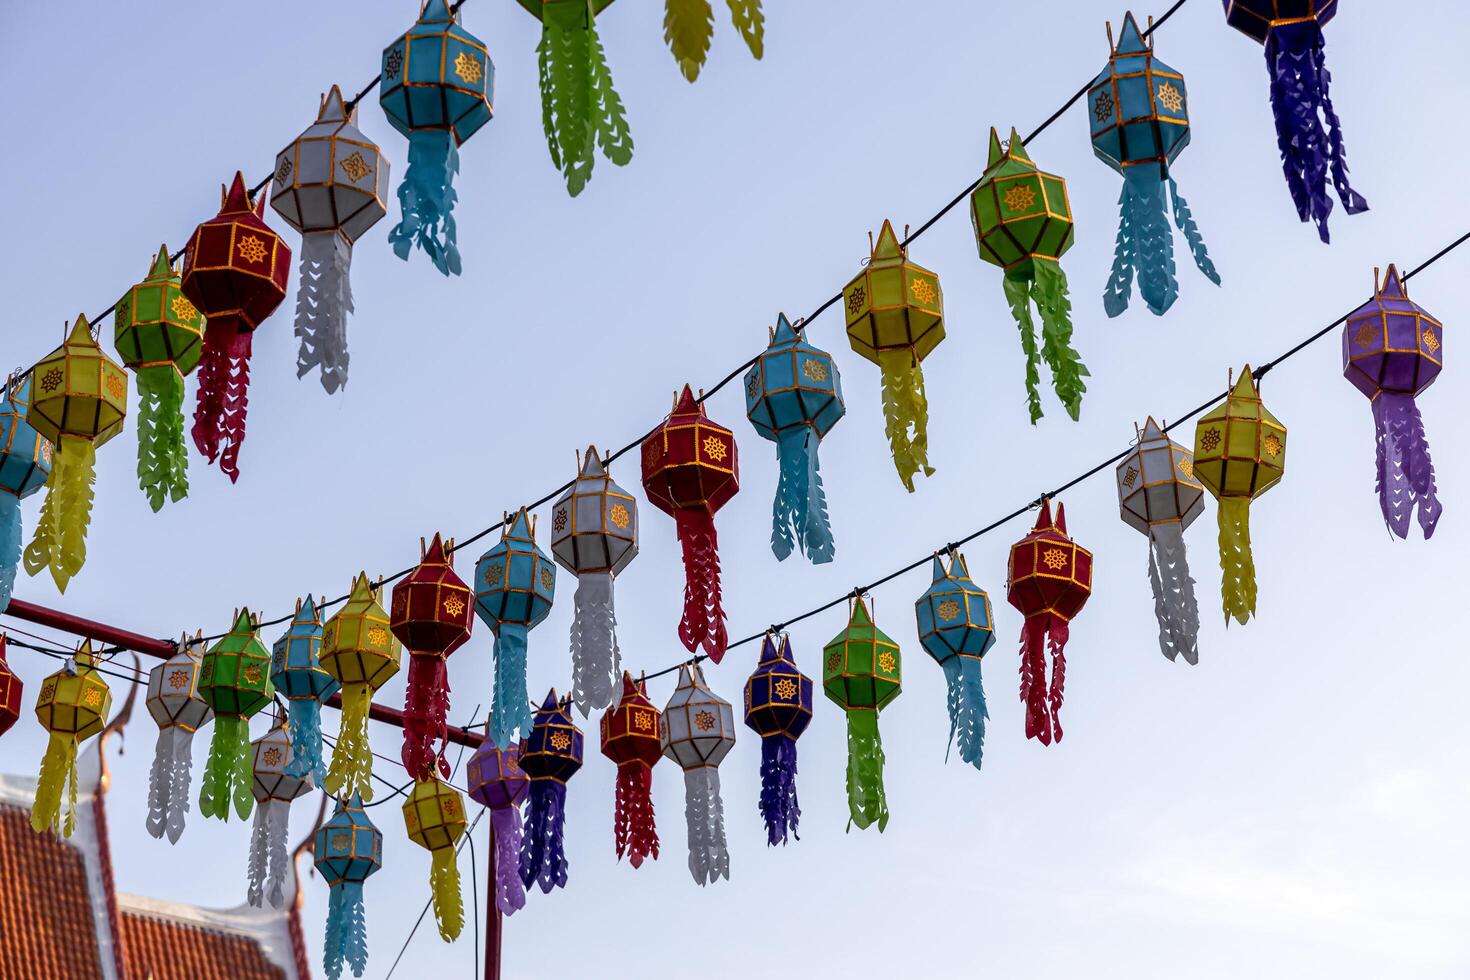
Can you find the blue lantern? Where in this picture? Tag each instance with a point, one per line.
(778, 707)
(1140, 124)
(297, 673)
(550, 755)
(436, 88)
(25, 464)
(349, 849)
(956, 627)
(793, 396)
(515, 583)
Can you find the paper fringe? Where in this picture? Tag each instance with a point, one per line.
(351, 770)
(346, 939)
(596, 659)
(163, 461)
(58, 776)
(168, 783)
(60, 541)
(268, 857)
(426, 197)
(224, 394)
(10, 535)
(323, 300)
(1047, 288)
(1043, 704)
(750, 21)
(905, 408)
(580, 109)
(689, 26)
(1184, 218)
(448, 902)
(425, 714)
(634, 830)
(510, 893)
(704, 812)
(1405, 471)
(543, 855)
(1238, 581)
(778, 804)
(866, 802)
(703, 622)
(1175, 606)
(967, 711)
(304, 720)
(1145, 245)
(799, 512)
(227, 774)
(511, 711)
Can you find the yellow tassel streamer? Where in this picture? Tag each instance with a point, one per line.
(60, 541)
(1238, 583)
(58, 768)
(905, 408)
(352, 761)
(448, 904)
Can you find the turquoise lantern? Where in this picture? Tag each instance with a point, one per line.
(793, 397)
(956, 628)
(298, 674)
(515, 583)
(1139, 113)
(349, 850)
(435, 89)
(25, 465)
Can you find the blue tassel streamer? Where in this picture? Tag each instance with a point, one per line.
(427, 197)
(779, 806)
(967, 712)
(1184, 218)
(1149, 252)
(9, 546)
(346, 939)
(512, 711)
(543, 855)
(799, 513)
(306, 740)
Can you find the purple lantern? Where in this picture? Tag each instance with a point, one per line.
(1391, 351)
(496, 780)
(551, 754)
(778, 706)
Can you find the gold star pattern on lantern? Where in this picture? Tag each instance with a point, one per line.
(1054, 558)
(1186, 466)
(1171, 97)
(183, 309)
(1130, 477)
(251, 249)
(92, 698)
(1365, 335)
(923, 290)
(1431, 342)
(886, 663)
(834, 660)
(355, 167)
(704, 721)
(115, 386)
(643, 721)
(454, 605)
(619, 515)
(271, 757)
(377, 636)
(468, 68)
(1272, 445)
(51, 380)
(785, 689)
(1019, 197)
(559, 520)
(1103, 107)
(714, 448)
(341, 840)
(949, 609)
(560, 741)
(856, 299)
(178, 679)
(548, 577)
(814, 369)
(494, 574)
(1210, 441)
(252, 674)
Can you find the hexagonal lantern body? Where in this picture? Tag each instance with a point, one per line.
(235, 267)
(437, 76)
(270, 760)
(348, 849)
(1258, 19)
(175, 704)
(1019, 213)
(274, 787)
(697, 730)
(173, 692)
(25, 454)
(953, 614)
(234, 675)
(550, 755)
(331, 177)
(1157, 483)
(1137, 106)
(630, 738)
(496, 778)
(361, 652)
(778, 696)
(1239, 446)
(594, 523)
(73, 704)
(893, 304)
(515, 584)
(861, 671)
(155, 324)
(553, 750)
(10, 691)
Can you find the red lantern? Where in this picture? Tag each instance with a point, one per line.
(1050, 578)
(630, 740)
(432, 614)
(235, 271)
(10, 688)
(690, 470)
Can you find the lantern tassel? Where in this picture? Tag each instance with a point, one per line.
(425, 714)
(60, 541)
(779, 806)
(596, 659)
(258, 846)
(1018, 296)
(510, 893)
(168, 784)
(1175, 606)
(704, 812)
(1184, 218)
(866, 802)
(750, 21)
(323, 300)
(163, 462)
(448, 902)
(1145, 246)
(799, 513)
(305, 724)
(1405, 471)
(352, 762)
(1238, 582)
(967, 711)
(703, 622)
(58, 772)
(10, 535)
(1299, 92)
(1043, 704)
(511, 712)
(633, 819)
(905, 408)
(580, 109)
(346, 938)
(543, 858)
(227, 773)
(427, 198)
(1049, 291)
(224, 394)
(268, 857)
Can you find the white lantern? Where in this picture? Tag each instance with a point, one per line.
(273, 790)
(697, 730)
(174, 703)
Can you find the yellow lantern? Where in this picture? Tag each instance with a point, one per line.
(73, 705)
(360, 651)
(434, 816)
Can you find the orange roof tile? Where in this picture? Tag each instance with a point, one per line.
(46, 923)
(161, 949)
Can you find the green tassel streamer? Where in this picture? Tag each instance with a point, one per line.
(1018, 295)
(1067, 369)
(866, 802)
(227, 773)
(163, 461)
(580, 110)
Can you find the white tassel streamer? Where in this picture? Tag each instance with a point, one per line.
(1175, 605)
(704, 812)
(168, 783)
(323, 300)
(268, 856)
(597, 663)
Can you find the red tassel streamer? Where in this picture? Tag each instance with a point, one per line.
(223, 397)
(1043, 704)
(425, 713)
(633, 825)
(703, 623)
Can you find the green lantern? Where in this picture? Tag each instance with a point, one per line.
(235, 681)
(158, 334)
(860, 673)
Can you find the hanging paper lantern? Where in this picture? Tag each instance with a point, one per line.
(690, 470)
(515, 585)
(1391, 352)
(1292, 34)
(895, 317)
(956, 627)
(497, 780)
(297, 673)
(1140, 125)
(25, 465)
(550, 755)
(793, 397)
(73, 705)
(235, 271)
(580, 110)
(436, 90)
(1160, 496)
(10, 691)
(630, 739)
(331, 185)
(434, 817)
(348, 849)
(179, 711)
(274, 789)
(1239, 454)
(1049, 579)
(594, 534)
(358, 650)
(861, 674)
(431, 617)
(1023, 223)
(778, 707)
(697, 730)
(689, 25)
(79, 397)
(235, 681)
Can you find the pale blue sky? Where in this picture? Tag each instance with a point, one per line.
(1293, 807)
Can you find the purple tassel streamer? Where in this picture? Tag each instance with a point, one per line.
(1405, 471)
(510, 894)
(543, 859)
(779, 807)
